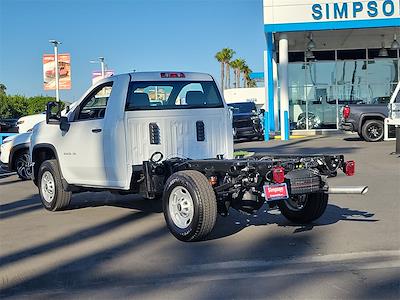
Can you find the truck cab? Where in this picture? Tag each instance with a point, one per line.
(123, 119)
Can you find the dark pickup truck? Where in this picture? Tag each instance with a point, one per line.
(366, 119)
(247, 121)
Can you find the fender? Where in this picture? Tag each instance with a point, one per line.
(40, 146)
(366, 115)
(12, 152)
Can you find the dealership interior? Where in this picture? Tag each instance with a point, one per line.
(328, 69)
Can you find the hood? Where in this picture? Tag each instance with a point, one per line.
(239, 116)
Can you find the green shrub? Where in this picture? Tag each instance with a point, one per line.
(16, 106)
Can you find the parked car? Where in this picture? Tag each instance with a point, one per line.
(8, 125)
(14, 154)
(247, 121)
(365, 119)
(26, 123)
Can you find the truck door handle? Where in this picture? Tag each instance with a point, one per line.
(96, 130)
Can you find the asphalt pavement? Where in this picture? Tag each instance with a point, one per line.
(107, 246)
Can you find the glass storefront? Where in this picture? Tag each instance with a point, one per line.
(318, 89)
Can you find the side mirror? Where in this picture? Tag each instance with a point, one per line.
(53, 112)
(64, 124)
(262, 111)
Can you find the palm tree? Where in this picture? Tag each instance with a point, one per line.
(246, 74)
(234, 64)
(224, 57)
(237, 66)
(251, 83)
(220, 57)
(227, 54)
(3, 89)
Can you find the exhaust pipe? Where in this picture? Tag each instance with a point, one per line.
(359, 190)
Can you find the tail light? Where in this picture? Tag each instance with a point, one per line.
(172, 75)
(349, 167)
(346, 111)
(278, 174)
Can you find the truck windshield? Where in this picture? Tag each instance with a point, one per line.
(243, 108)
(160, 95)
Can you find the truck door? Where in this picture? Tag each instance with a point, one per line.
(83, 151)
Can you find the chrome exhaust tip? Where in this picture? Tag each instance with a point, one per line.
(358, 190)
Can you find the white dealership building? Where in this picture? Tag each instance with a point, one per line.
(321, 55)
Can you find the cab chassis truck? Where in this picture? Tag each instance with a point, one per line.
(168, 135)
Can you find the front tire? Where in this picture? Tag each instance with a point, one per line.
(21, 164)
(190, 205)
(51, 190)
(372, 130)
(303, 209)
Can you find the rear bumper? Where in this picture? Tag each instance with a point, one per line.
(347, 126)
(248, 132)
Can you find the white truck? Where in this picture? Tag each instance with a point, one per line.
(393, 118)
(14, 155)
(169, 135)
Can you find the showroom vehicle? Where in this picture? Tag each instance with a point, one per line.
(247, 121)
(169, 135)
(366, 119)
(14, 155)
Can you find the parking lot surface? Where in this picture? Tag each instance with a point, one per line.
(108, 246)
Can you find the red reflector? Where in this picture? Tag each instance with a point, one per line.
(172, 75)
(278, 174)
(350, 167)
(346, 112)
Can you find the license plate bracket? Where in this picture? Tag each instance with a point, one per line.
(274, 192)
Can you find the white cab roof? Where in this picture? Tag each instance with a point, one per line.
(156, 76)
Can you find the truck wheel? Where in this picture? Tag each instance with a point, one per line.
(52, 193)
(304, 208)
(190, 205)
(372, 130)
(21, 164)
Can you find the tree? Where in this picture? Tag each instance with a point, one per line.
(220, 57)
(251, 83)
(246, 74)
(237, 66)
(3, 89)
(224, 57)
(16, 106)
(228, 54)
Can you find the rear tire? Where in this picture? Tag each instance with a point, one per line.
(51, 190)
(304, 209)
(372, 130)
(190, 205)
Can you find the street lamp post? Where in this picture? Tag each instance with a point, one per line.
(102, 64)
(101, 59)
(56, 43)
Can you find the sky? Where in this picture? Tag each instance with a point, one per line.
(141, 35)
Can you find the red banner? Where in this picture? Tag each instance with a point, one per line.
(64, 72)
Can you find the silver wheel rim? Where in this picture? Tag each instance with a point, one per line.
(296, 203)
(22, 166)
(180, 206)
(47, 186)
(374, 131)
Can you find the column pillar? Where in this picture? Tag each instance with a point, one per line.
(284, 86)
(269, 123)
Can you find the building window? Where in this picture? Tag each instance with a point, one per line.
(318, 89)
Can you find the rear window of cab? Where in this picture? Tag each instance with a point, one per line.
(161, 95)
